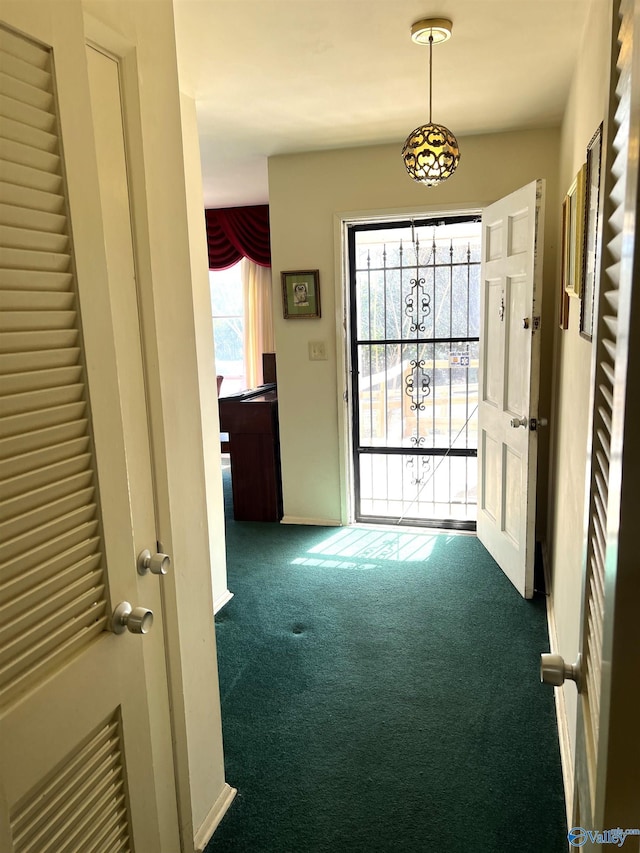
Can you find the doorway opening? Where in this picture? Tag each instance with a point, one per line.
(414, 340)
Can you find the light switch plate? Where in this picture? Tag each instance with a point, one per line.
(317, 351)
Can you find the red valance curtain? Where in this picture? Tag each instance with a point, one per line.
(238, 232)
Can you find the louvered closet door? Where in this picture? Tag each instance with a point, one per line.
(604, 786)
(85, 758)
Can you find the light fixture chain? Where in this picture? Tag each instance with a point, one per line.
(430, 73)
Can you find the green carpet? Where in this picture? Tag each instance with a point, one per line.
(380, 692)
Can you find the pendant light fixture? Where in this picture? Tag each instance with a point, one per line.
(431, 153)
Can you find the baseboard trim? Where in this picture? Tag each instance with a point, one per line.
(210, 823)
(317, 522)
(566, 758)
(221, 600)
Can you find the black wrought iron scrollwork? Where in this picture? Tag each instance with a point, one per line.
(417, 477)
(417, 305)
(417, 441)
(417, 385)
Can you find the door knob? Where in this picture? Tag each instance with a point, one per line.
(518, 422)
(553, 670)
(158, 564)
(137, 620)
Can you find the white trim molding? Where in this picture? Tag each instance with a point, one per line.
(212, 820)
(566, 756)
(316, 522)
(221, 600)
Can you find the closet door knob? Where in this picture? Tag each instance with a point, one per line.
(553, 670)
(137, 620)
(157, 564)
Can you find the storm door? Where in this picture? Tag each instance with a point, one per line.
(415, 326)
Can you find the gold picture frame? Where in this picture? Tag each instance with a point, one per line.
(573, 235)
(591, 244)
(564, 295)
(300, 294)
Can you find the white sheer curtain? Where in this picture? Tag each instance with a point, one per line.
(258, 318)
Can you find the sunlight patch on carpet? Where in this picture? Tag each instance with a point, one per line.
(369, 549)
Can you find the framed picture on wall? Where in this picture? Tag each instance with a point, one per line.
(300, 294)
(574, 235)
(591, 248)
(564, 295)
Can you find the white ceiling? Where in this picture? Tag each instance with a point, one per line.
(282, 76)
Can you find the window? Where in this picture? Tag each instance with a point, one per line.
(227, 309)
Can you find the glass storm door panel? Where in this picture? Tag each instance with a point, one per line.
(415, 326)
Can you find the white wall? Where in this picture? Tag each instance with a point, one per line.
(307, 192)
(572, 364)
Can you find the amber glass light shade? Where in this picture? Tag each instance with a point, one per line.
(431, 154)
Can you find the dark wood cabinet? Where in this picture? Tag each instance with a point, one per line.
(251, 420)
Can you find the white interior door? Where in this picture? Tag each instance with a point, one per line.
(84, 727)
(511, 281)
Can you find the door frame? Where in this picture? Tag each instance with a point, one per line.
(104, 39)
(353, 229)
(341, 221)
(198, 764)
